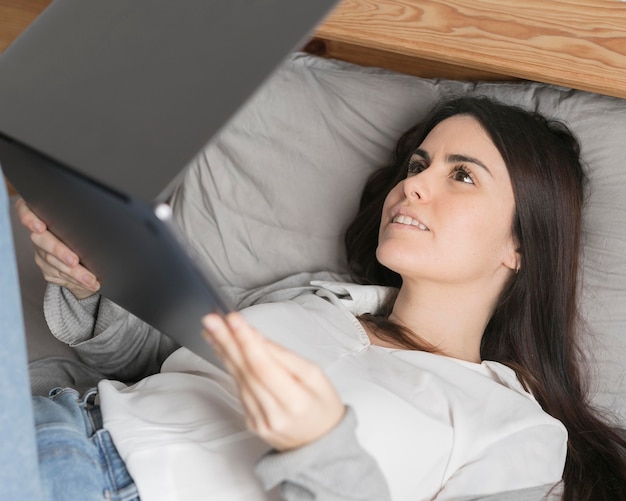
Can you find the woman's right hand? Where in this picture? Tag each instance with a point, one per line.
(289, 401)
(56, 260)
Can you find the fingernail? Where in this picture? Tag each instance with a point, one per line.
(89, 280)
(70, 259)
(37, 226)
(210, 323)
(234, 320)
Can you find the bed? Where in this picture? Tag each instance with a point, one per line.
(308, 139)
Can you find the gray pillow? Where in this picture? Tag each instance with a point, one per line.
(272, 195)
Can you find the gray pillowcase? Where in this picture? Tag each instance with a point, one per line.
(273, 194)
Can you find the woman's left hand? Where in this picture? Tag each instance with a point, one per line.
(289, 401)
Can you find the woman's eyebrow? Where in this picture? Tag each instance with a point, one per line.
(422, 153)
(453, 158)
(467, 159)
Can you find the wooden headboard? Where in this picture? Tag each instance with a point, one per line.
(575, 43)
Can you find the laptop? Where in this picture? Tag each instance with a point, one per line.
(104, 104)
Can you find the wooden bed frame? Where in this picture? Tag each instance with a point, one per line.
(574, 43)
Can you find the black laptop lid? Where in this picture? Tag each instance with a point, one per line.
(103, 104)
(128, 91)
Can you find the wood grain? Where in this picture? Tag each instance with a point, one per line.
(15, 16)
(409, 64)
(576, 43)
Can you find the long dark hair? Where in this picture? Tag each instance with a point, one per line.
(535, 326)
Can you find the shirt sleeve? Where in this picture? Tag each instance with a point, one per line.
(333, 468)
(105, 336)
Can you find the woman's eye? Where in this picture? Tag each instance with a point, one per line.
(462, 174)
(416, 166)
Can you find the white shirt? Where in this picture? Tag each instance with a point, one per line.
(438, 426)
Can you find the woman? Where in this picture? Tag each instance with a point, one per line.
(477, 225)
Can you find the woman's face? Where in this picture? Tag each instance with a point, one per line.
(450, 220)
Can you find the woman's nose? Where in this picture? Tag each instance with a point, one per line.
(417, 186)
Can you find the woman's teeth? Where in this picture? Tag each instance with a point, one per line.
(409, 221)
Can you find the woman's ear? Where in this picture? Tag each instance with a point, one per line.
(513, 256)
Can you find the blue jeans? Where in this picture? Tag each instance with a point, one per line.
(19, 469)
(51, 448)
(77, 458)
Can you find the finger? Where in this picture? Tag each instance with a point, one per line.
(58, 273)
(242, 353)
(309, 374)
(261, 364)
(50, 244)
(276, 384)
(258, 407)
(218, 333)
(280, 408)
(249, 394)
(235, 342)
(28, 218)
(268, 361)
(252, 352)
(49, 271)
(51, 264)
(301, 402)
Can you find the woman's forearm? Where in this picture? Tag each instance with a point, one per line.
(105, 336)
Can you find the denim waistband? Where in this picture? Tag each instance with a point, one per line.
(77, 457)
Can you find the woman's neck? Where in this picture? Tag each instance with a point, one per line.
(450, 318)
